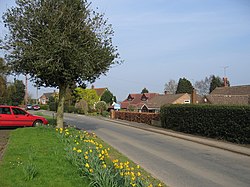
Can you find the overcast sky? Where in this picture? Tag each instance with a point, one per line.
(161, 40)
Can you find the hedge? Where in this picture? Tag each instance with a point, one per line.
(230, 123)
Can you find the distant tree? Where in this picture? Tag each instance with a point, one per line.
(82, 107)
(59, 43)
(171, 87)
(88, 95)
(3, 81)
(107, 97)
(101, 106)
(16, 92)
(202, 86)
(184, 86)
(144, 90)
(215, 82)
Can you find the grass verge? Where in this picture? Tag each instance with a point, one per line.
(36, 157)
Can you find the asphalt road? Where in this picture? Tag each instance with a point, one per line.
(176, 162)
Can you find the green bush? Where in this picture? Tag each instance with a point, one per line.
(70, 109)
(44, 107)
(231, 123)
(53, 106)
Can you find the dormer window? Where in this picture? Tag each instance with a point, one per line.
(130, 98)
(144, 98)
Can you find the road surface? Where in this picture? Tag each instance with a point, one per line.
(176, 162)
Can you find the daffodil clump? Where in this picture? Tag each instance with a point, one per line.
(93, 161)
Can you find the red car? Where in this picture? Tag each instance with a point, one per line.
(15, 116)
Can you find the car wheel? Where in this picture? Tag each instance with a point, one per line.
(37, 123)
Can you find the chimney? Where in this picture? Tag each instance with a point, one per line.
(225, 81)
(193, 96)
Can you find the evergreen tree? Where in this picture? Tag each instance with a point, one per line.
(107, 97)
(144, 90)
(15, 93)
(59, 44)
(184, 86)
(215, 82)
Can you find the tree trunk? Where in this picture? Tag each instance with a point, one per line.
(60, 108)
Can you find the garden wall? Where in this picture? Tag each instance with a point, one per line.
(140, 117)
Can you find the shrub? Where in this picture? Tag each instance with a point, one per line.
(81, 107)
(101, 106)
(44, 107)
(53, 106)
(70, 109)
(231, 123)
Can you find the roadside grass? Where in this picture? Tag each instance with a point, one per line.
(36, 157)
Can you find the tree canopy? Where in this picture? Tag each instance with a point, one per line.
(215, 82)
(144, 90)
(203, 86)
(59, 43)
(107, 97)
(88, 95)
(171, 86)
(184, 86)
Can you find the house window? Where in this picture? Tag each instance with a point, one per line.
(187, 101)
(144, 109)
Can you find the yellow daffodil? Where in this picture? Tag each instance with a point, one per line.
(138, 174)
(79, 150)
(86, 157)
(87, 165)
(91, 170)
(74, 149)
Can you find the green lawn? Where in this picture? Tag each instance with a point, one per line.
(37, 157)
(37, 150)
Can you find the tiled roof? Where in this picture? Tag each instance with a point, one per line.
(232, 90)
(160, 100)
(229, 99)
(234, 95)
(137, 99)
(48, 95)
(100, 91)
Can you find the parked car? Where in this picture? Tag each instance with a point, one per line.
(28, 107)
(36, 107)
(15, 116)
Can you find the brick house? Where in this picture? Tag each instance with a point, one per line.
(136, 101)
(151, 102)
(44, 99)
(155, 103)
